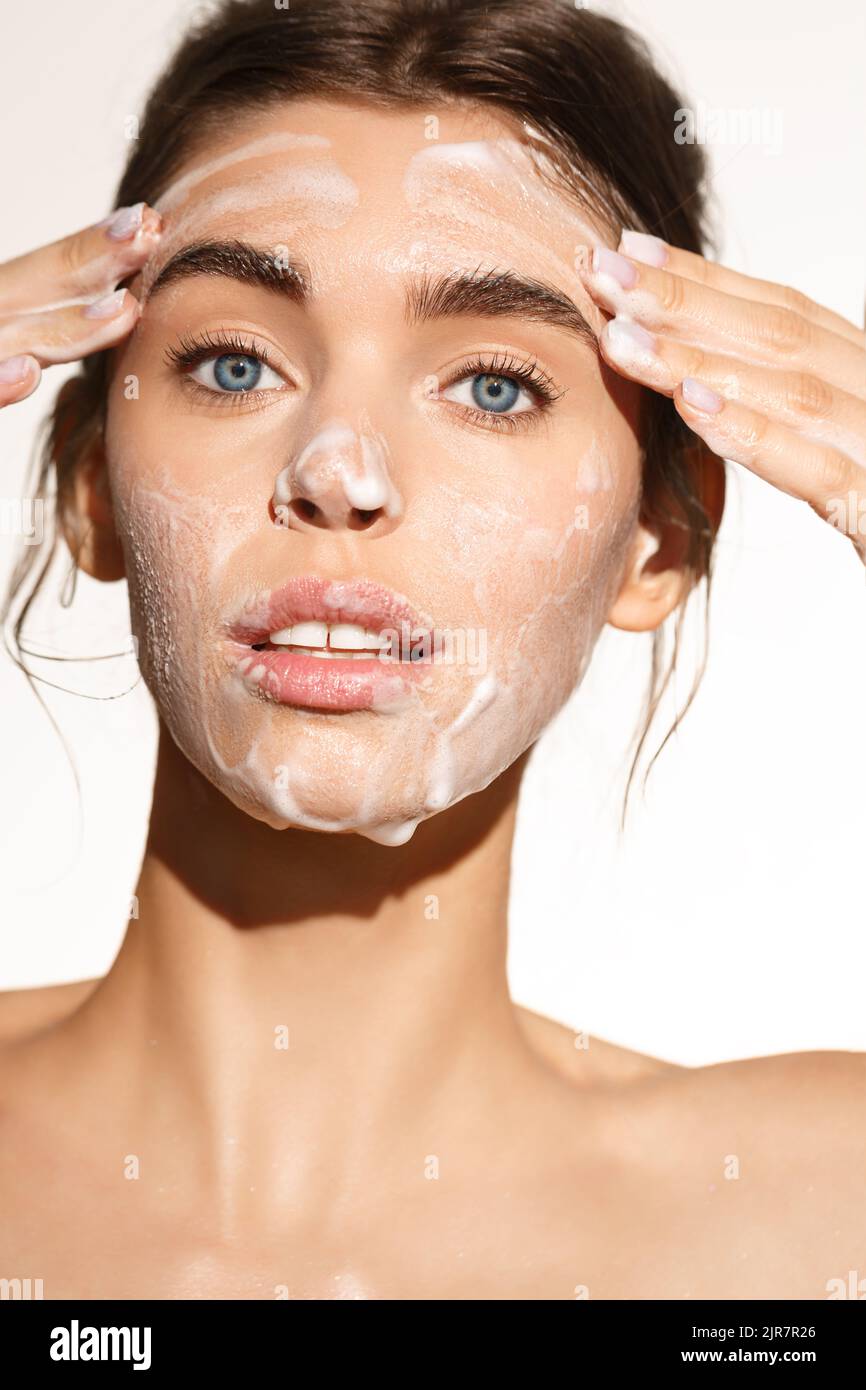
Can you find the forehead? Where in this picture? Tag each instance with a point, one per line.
(396, 190)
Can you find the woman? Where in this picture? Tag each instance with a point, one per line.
(418, 378)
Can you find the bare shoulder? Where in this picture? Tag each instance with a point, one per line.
(786, 1116)
(803, 1089)
(783, 1137)
(583, 1058)
(740, 1179)
(26, 1011)
(800, 1105)
(800, 1085)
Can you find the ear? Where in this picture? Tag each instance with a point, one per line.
(657, 577)
(87, 514)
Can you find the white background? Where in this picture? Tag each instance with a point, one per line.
(728, 920)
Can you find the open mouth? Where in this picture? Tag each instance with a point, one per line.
(329, 644)
(344, 642)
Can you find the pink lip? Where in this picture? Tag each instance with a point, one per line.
(294, 678)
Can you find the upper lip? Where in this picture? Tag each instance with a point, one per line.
(311, 599)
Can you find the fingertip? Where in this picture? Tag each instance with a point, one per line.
(19, 377)
(152, 221)
(626, 339)
(697, 396)
(127, 224)
(640, 246)
(113, 305)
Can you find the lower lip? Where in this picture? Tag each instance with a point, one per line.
(326, 683)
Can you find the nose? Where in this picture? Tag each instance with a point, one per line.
(340, 480)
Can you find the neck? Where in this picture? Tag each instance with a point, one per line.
(321, 991)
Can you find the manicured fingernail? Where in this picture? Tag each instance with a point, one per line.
(152, 221)
(123, 224)
(105, 307)
(607, 262)
(651, 250)
(14, 369)
(627, 337)
(701, 397)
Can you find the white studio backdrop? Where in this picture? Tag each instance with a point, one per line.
(728, 920)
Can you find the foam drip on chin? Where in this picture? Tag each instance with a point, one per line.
(442, 777)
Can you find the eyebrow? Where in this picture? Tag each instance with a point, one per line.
(237, 260)
(488, 294)
(495, 294)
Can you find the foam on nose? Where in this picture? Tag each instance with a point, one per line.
(339, 470)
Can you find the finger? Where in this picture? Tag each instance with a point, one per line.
(19, 377)
(651, 250)
(81, 265)
(797, 399)
(745, 329)
(65, 335)
(801, 467)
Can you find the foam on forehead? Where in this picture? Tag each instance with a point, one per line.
(321, 190)
(180, 189)
(492, 193)
(312, 193)
(580, 177)
(504, 164)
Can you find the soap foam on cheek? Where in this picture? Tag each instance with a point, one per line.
(543, 591)
(595, 473)
(178, 547)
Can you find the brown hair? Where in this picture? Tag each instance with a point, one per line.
(584, 82)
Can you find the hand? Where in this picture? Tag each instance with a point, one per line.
(40, 322)
(762, 374)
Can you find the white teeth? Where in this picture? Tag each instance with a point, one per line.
(326, 654)
(327, 640)
(351, 637)
(304, 635)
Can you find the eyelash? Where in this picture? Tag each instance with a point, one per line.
(528, 373)
(191, 352)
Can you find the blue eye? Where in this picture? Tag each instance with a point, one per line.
(233, 373)
(498, 393)
(237, 373)
(489, 393)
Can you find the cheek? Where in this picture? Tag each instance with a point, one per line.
(530, 539)
(180, 522)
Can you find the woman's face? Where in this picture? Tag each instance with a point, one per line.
(387, 433)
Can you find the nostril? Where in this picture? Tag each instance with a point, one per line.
(361, 517)
(356, 518)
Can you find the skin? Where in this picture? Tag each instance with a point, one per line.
(524, 1161)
